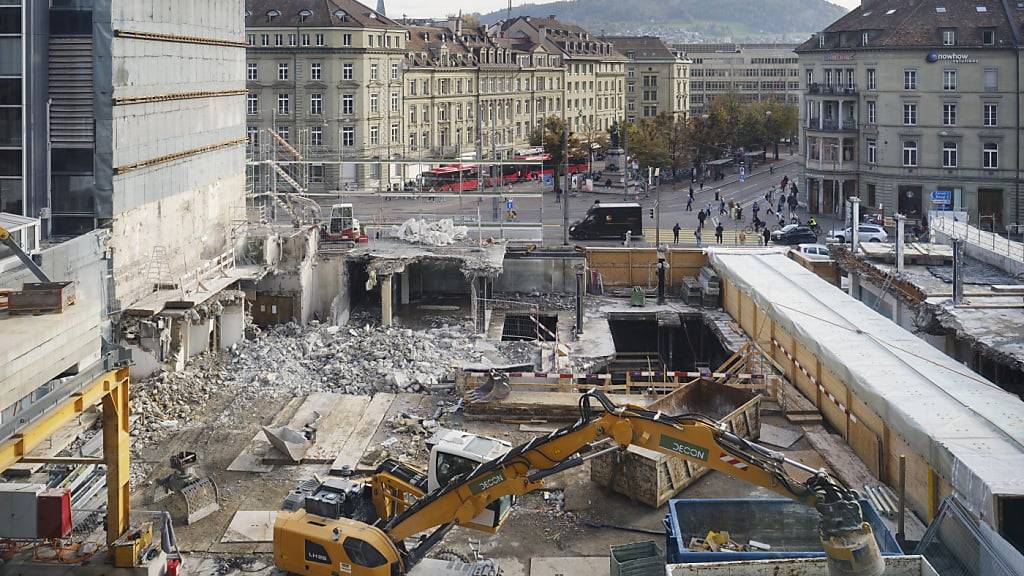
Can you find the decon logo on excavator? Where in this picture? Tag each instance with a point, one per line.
(684, 448)
(486, 482)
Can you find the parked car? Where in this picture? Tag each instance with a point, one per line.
(794, 234)
(867, 232)
(813, 251)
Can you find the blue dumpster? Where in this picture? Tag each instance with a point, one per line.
(790, 528)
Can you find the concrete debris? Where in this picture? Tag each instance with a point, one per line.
(289, 360)
(441, 233)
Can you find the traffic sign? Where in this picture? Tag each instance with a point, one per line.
(942, 197)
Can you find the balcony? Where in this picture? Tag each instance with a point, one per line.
(831, 125)
(817, 89)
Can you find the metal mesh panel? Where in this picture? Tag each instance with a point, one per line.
(954, 546)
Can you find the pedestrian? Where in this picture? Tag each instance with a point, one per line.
(781, 204)
(782, 219)
(696, 236)
(719, 230)
(691, 191)
(771, 168)
(701, 217)
(721, 207)
(718, 194)
(785, 180)
(675, 233)
(689, 204)
(702, 184)
(766, 235)
(755, 208)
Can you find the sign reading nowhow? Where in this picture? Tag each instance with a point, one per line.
(950, 58)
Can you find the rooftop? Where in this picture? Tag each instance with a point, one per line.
(643, 47)
(314, 14)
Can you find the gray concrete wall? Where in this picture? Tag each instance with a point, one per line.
(1010, 265)
(538, 275)
(187, 205)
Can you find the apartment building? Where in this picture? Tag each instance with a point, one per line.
(594, 70)
(326, 75)
(657, 77)
(914, 107)
(753, 71)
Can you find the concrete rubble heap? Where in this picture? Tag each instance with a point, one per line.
(441, 233)
(290, 360)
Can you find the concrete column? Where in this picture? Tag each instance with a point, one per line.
(386, 293)
(854, 285)
(839, 114)
(854, 221)
(821, 116)
(900, 241)
(405, 286)
(580, 290)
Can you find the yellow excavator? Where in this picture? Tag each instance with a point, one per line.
(384, 526)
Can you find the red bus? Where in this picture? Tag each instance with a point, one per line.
(451, 178)
(576, 165)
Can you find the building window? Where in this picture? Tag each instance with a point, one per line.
(374, 136)
(872, 112)
(316, 173)
(285, 133)
(949, 153)
(990, 155)
(395, 133)
(949, 114)
(316, 136)
(316, 104)
(991, 79)
(412, 87)
(284, 104)
(374, 72)
(412, 140)
(394, 71)
(949, 80)
(252, 134)
(988, 37)
(278, 39)
(282, 71)
(348, 136)
(253, 71)
(251, 39)
(319, 39)
(949, 37)
(991, 115)
(348, 104)
(872, 151)
(910, 153)
(872, 79)
(864, 37)
(412, 114)
(293, 40)
(394, 101)
(910, 114)
(346, 71)
(910, 79)
(828, 76)
(374, 103)
(252, 104)
(346, 39)
(315, 71)
(265, 40)
(305, 39)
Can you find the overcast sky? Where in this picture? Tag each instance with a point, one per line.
(421, 9)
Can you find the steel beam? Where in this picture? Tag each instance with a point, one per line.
(64, 460)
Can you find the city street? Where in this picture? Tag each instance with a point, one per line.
(492, 210)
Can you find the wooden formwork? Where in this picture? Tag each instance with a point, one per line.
(826, 269)
(867, 433)
(626, 267)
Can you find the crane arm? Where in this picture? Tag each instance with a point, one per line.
(694, 437)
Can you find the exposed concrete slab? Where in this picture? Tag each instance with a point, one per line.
(250, 526)
(392, 256)
(571, 566)
(778, 436)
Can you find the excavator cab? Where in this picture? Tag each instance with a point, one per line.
(453, 453)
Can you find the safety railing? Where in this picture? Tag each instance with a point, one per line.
(955, 545)
(946, 223)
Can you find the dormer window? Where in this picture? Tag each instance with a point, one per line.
(949, 37)
(988, 37)
(271, 14)
(821, 40)
(341, 15)
(303, 15)
(864, 37)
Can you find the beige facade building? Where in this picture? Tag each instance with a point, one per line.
(594, 70)
(657, 77)
(754, 71)
(326, 76)
(914, 108)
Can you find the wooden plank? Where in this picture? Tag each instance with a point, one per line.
(336, 428)
(793, 401)
(867, 446)
(370, 419)
(840, 457)
(60, 440)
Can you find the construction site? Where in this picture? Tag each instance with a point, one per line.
(235, 376)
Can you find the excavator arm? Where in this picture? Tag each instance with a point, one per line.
(848, 541)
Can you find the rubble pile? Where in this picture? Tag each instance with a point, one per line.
(441, 233)
(166, 402)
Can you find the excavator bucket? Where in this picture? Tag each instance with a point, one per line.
(201, 500)
(495, 388)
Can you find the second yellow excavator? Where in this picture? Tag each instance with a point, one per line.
(384, 526)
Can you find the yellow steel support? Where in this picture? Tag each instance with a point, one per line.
(933, 494)
(115, 450)
(112, 389)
